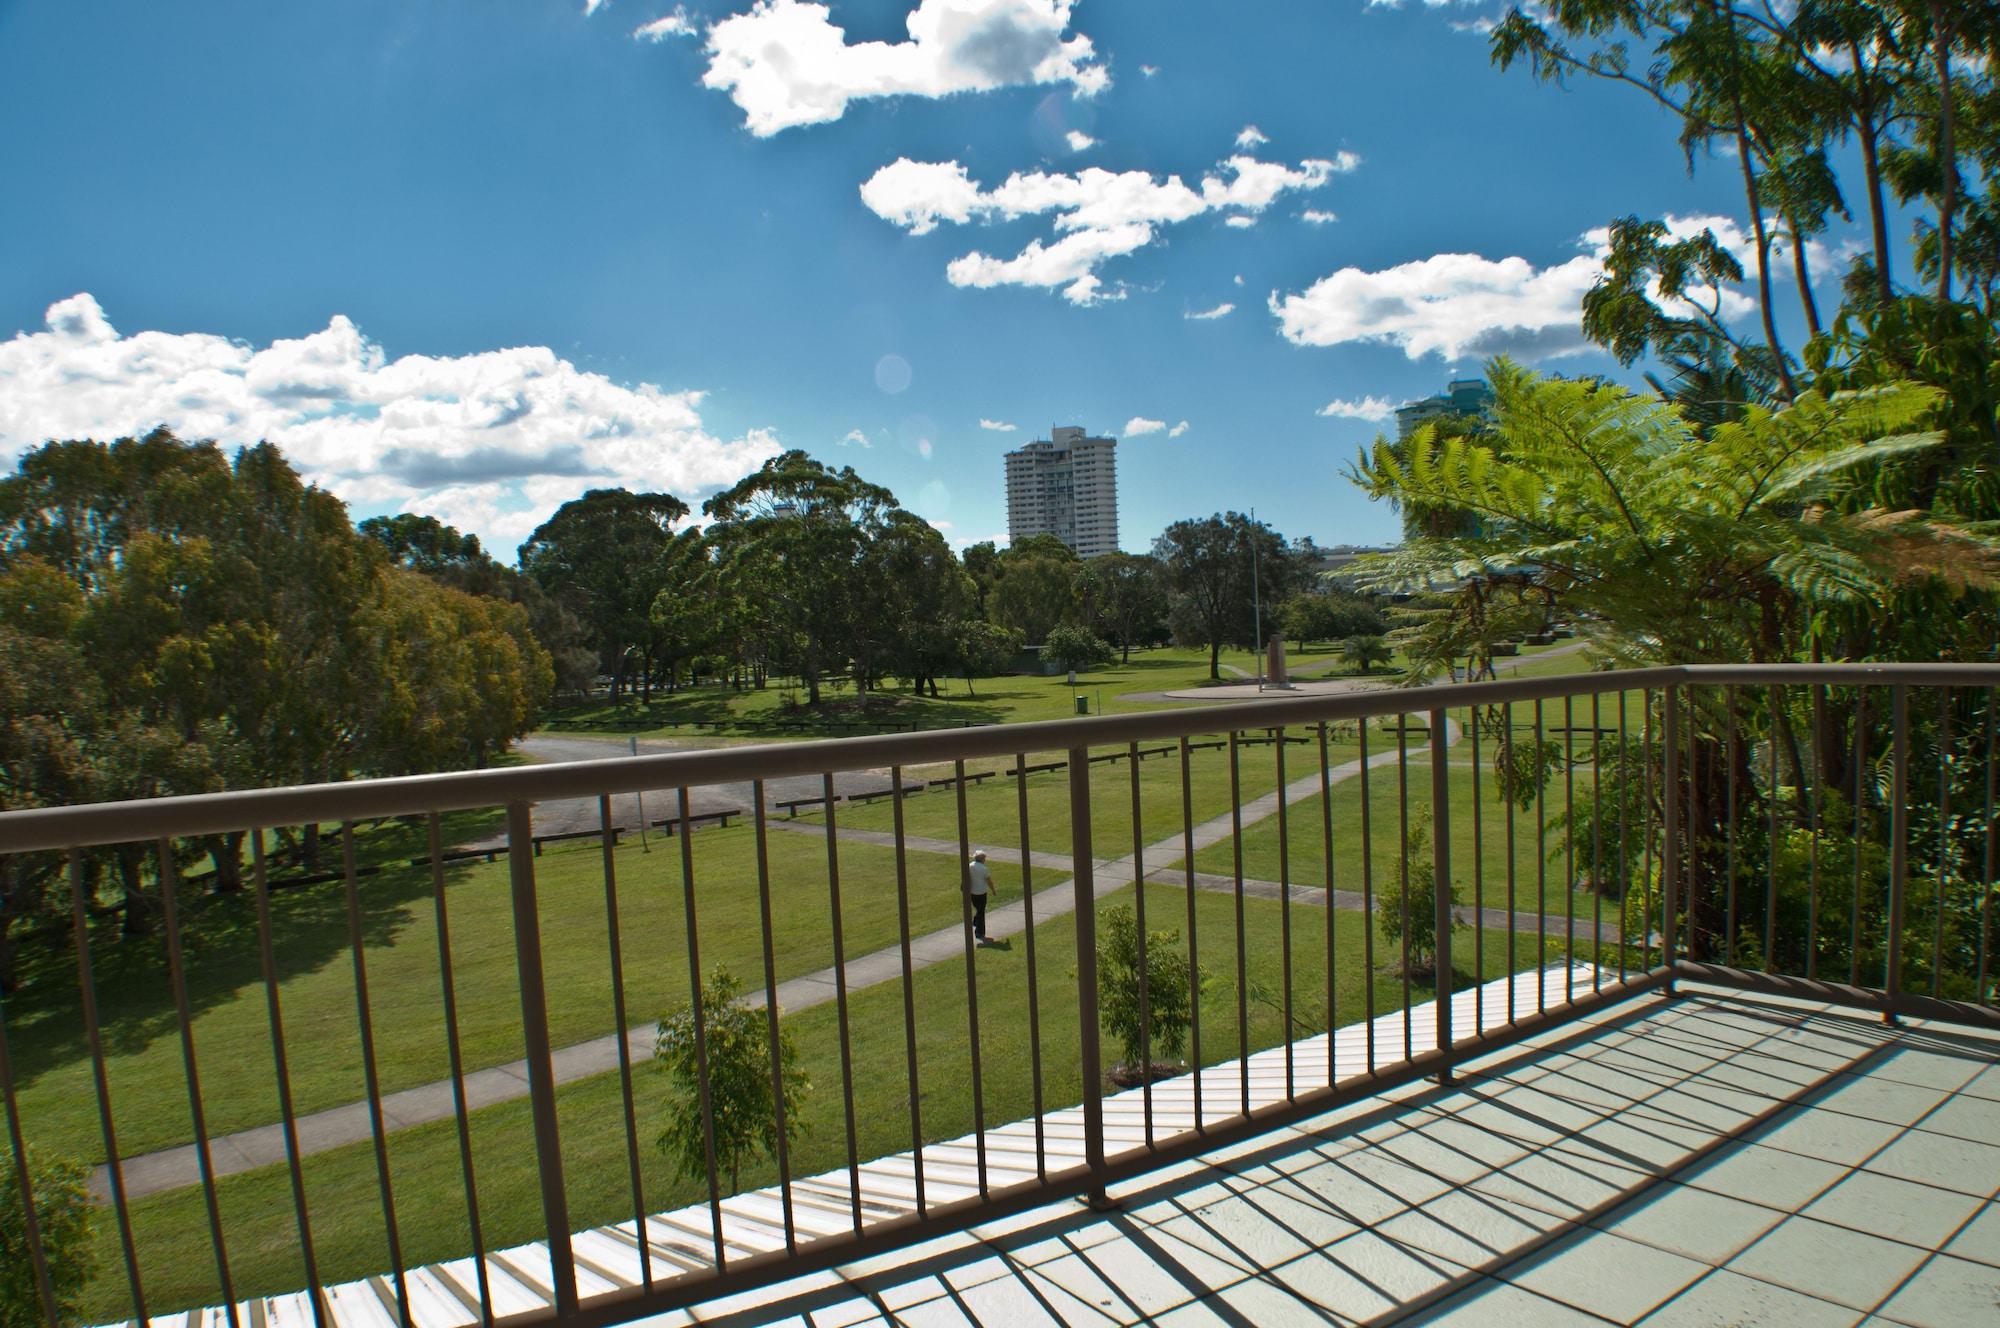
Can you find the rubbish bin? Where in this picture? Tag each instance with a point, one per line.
(1082, 705)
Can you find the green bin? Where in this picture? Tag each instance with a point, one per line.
(1082, 705)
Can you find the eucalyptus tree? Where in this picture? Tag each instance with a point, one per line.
(1218, 570)
(918, 599)
(1036, 586)
(599, 557)
(802, 531)
(1127, 597)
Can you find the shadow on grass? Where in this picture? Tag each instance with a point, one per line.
(220, 948)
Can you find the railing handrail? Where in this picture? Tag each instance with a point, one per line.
(91, 824)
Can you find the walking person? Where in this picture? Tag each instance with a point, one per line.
(978, 884)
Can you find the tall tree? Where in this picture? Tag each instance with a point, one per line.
(599, 555)
(802, 531)
(1127, 598)
(1218, 569)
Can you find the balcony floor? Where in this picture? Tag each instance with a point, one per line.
(1717, 1159)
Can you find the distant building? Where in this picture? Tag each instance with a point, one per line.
(1336, 564)
(1066, 486)
(1467, 396)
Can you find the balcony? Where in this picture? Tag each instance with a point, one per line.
(1714, 946)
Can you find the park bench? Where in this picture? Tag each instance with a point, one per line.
(872, 794)
(1039, 769)
(790, 806)
(975, 777)
(540, 840)
(695, 819)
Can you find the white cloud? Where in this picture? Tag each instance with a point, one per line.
(1368, 408)
(1149, 70)
(1251, 137)
(855, 438)
(1079, 141)
(1178, 429)
(786, 63)
(492, 441)
(676, 24)
(1097, 214)
(1315, 217)
(996, 426)
(1460, 305)
(1139, 426)
(1222, 310)
(1240, 223)
(592, 6)
(1239, 278)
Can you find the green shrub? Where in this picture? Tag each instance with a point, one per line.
(739, 1083)
(1406, 901)
(1168, 1000)
(63, 1213)
(1076, 648)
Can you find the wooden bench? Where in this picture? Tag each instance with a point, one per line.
(720, 818)
(872, 794)
(975, 777)
(1039, 769)
(790, 806)
(540, 840)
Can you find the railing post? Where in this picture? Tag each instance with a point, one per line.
(1899, 841)
(1670, 847)
(541, 1068)
(1441, 888)
(1085, 882)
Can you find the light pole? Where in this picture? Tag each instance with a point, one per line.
(1256, 604)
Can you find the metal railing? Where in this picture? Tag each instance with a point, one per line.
(1826, 831)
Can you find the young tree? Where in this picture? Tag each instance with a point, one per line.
(1406, 904)
(1365, 652)
(63, 1218)
(745, 1114)
(1170, 986)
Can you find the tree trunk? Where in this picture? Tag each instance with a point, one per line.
(1947, 148)
(1763, 236)
(1869, 134)
(139, 905)
(1804, 275)
(226, 853)
(1215, 660)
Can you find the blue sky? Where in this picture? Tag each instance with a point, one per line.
(472, 257)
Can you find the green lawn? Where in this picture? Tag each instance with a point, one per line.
(345, 1201)
(992, 808)
(1003, 700)
(231, 1029)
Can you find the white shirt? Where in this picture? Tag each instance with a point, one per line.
(981, 878)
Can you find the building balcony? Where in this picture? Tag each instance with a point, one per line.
(1713, 945)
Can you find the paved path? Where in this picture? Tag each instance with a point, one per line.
(246, 1150)
(564, 815)
(1312, 896)
(1248, 690)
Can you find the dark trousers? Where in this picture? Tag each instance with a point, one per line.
(979, 916)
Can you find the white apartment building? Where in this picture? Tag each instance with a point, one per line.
(1066, 486)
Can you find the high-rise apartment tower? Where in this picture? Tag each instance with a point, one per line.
(1066, 486)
